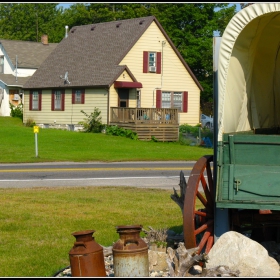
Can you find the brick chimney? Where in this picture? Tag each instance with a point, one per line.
(44, 39)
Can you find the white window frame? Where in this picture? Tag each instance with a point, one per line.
(78, 96)
(138, 98)
(152, 59)
(166, 99)
(178, 100)
(35, 100)
(57, 100)
(172, 99)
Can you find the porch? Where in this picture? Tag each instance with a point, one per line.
(162, 123)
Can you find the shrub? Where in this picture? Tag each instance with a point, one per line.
(154, 139)
(92, 122)
(183, 140)
(194, 130)
(185, 128)
(186, 132)
(119, 131)
(30, 123)
(16, 111)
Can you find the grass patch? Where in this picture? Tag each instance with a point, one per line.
(17, 144)
(36, 223)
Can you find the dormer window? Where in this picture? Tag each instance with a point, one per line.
(1, 64)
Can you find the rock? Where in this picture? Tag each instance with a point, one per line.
(107, 251)
(243, 254)
(157, 260)
(195, 270)
(220, 271)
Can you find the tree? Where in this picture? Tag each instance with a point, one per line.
(28, 22)
(76, 15)
(244, 5)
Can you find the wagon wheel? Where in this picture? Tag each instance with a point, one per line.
(199, 224)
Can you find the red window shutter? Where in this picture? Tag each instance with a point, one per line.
(62, 100)
(185, 101)
(158, 62)
(83, 97)
(30, 100)
(158, 98)
(145, 62)
(52, 101)
(40, 100)
(73, 96)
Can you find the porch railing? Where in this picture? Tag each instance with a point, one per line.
(144, 115)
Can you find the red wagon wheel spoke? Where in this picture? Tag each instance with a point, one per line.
(199, 224)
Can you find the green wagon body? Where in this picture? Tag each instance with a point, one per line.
(246, 159)
(248, 171)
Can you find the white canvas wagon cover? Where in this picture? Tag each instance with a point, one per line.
(249, 70)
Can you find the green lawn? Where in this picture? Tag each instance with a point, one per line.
(17, 145)
(36, 224)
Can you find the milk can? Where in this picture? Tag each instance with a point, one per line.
(130, 253)
(86, 256)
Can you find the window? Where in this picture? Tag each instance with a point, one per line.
(152, 62)
(58, 100)
(166, 100)
(1, 64)
(138, 98)
(14, 95)
(35, 100)
(78, 96)
(178, 100)
(172, 99)
(152, 59)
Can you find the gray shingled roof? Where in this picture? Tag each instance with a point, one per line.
(29, 54)
(91, 54)
(11, 80)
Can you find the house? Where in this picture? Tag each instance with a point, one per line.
(18, 61)
(129, 69)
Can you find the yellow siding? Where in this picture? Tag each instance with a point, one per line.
(124, 77)
(113, 97)
(72, 113)
(174, 76)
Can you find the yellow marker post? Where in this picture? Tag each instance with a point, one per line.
(36, 131)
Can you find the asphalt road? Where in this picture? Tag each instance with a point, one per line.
(162, 175)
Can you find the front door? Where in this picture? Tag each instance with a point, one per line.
(123, 97)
